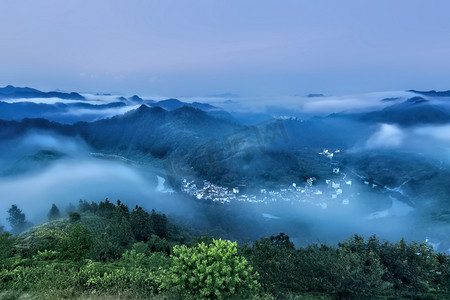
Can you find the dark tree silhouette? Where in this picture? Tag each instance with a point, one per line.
(141, 224)
(17, 219)
(54, 213)
(160, 224)
(84, 206)
(106, 209)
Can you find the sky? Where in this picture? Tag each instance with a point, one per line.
(203, 47)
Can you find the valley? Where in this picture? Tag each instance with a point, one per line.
(222, 174)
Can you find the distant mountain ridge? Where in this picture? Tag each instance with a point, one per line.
(82, 111)
(12, 92)
(432, 93)
(413, 111)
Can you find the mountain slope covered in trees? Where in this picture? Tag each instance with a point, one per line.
(104, 249)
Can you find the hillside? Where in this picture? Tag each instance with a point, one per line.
(106, 250)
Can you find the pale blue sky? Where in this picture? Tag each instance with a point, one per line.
(254, 48)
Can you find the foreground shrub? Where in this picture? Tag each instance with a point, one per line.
(212, 271)
(39, 277)
(137, 280)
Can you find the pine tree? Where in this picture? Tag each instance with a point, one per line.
(160, 224)
(17, 219)
(140, 224)
(54, 213)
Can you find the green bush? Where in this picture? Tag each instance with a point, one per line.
(213, 271)
(154, 261)
(39, 277)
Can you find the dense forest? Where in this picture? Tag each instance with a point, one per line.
(107, 251)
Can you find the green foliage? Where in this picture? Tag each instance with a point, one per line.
(83, 206)
(135, 279)
(7, 241)
(410, 267)
(141, 247)
(141, 225)
(42, 237)
(76, 245)
(284, 270)
(42, 277)
(157, 244)
(134, 258)
(160, 224)
(344, 275)
(106, 209)
(442, 278)
(153, 261)
(46, 255)
(213, 271)
(134, 272)
(276, 260)
(136, 254)
(120, 228)
(117, 236)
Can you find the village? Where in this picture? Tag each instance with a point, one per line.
(312, 191)
(335, 190)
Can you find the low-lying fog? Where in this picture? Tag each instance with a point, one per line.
(72, 176)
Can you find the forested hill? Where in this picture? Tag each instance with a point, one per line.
(105, 250)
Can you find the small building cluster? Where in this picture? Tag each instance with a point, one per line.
(328, 153)
(335, 190)
(311, 192)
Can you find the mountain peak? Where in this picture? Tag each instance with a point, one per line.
(136, 98)
(145, 109)
(142, 112)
